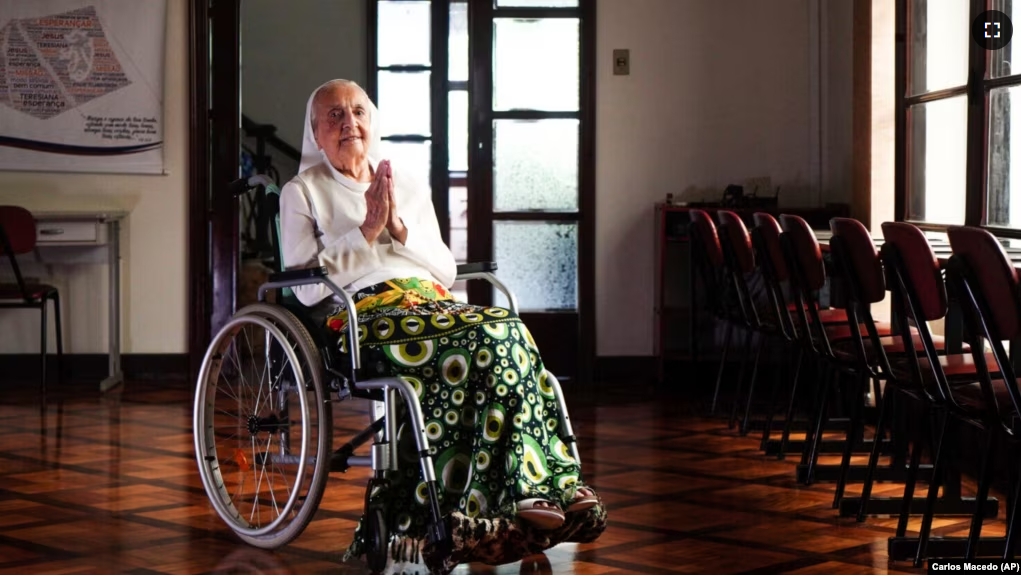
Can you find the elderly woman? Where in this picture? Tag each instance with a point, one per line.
(490, 416)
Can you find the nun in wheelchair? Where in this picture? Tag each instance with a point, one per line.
(509, 486)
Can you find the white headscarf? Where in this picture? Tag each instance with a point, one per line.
(311, 154)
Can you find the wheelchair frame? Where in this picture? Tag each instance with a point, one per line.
(359, 381)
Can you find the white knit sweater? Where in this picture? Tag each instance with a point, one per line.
(320, 214)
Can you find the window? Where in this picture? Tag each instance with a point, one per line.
(956, 126)
(415, 40)
(494, 99)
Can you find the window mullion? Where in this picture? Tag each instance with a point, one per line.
(978, 119)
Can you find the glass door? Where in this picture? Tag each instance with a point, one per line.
(530, 202)
(490, 100)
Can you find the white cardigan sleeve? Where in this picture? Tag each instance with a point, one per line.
(346, 259)
(424, 244)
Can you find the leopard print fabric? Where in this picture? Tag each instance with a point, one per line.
(489, 541)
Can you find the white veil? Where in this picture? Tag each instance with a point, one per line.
(310, 152)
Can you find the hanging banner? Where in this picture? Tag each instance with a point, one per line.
(81, 85)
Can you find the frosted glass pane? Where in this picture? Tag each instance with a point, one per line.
(458, 199)
(535, 165)
(538, 261)
(537, 3)
(412, 158)
(457, 46)
(403, 33)
(1003, 168)
(457, 130)
(404, 103)
(535, 64)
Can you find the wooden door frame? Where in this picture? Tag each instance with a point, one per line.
(214, 143)
(480, 245)
(198, 183)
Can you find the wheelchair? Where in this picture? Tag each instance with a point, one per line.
(263, 417)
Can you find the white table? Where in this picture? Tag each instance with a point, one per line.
(77, 237)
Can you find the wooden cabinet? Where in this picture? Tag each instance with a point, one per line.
(684, 331)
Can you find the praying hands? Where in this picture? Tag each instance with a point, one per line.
(381, 207)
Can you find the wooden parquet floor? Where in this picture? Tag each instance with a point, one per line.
(108, 484)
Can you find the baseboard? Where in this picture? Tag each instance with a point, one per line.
(89, 367)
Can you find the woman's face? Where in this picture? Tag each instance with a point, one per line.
(343, 127)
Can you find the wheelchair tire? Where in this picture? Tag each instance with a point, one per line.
(247, 438)
(376, 540)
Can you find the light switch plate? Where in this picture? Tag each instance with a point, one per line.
(621, 62)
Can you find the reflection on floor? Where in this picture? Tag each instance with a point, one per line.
(108, 484)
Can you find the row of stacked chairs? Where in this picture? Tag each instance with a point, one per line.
(914, 388)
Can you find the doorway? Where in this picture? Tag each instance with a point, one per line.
(504, 136)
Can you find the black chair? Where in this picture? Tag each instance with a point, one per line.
(739, 260)
(707, 255)
(772, 265)
(18, 236)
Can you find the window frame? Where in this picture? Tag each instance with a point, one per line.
(440, 181)
(977, 90)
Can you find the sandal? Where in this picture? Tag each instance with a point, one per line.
(584, 498)
(541, 513)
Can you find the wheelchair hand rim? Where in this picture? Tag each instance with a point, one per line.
(212, 479)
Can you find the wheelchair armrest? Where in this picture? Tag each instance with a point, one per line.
(297, 275)
(475, 268)
(484, 271)
(319, 275)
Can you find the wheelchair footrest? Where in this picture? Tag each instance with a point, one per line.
(437, 532)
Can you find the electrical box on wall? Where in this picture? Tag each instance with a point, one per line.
(621, 62)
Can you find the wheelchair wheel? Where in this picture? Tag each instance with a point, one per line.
(376, 540)
(263, 425)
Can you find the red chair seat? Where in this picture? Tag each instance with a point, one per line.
(963, 364)
(35, 291)
(826, 315)
(843, 332)
(832, 315)
(893, 345)
(970, 397)
(955, 366)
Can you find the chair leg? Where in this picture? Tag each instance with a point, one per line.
(930, 499)
(60, 338)
(788, 419)
(723, 365)
(778, 379)
(810, 455)
(909, 489)
(812, 401)
(42, 348)
(870, 471)
(739, 385)
(1012, 520)
(854, 428)
(751, 385)
(981, 495)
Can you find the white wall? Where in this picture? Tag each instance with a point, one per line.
(836, 88)
(290, 48)
(718, 92)
(154, 237)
